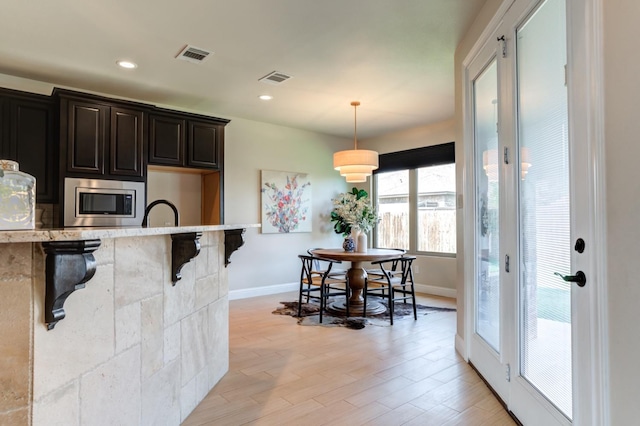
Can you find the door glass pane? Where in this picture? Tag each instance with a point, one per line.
(545, 302)
(437, 208)
(393, 209)
(485, 91)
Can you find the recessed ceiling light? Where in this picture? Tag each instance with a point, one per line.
(266, 97)
(127, 64)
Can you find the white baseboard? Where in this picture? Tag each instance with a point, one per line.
(461, 347)
(245, 293)
(284, 288)
(436, 291)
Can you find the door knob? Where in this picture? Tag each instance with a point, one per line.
(579, 278)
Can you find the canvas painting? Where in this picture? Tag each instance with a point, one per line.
(286, 202)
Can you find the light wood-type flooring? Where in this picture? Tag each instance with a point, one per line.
(282, 373)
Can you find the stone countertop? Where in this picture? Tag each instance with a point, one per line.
(75, 234)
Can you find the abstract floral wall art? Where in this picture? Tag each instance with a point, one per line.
(286, 202)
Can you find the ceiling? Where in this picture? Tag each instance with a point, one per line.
(394, 56)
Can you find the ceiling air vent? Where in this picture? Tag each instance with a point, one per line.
(275, 77)
(193, 54)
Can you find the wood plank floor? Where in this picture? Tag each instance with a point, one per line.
(282, 373)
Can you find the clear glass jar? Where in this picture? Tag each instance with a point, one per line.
(17, 197)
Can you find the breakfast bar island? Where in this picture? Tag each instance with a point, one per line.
(112, 325)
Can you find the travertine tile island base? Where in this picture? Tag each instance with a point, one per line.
(134, 346)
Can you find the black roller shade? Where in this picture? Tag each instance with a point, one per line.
(419, 157)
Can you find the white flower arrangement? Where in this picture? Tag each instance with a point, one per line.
(353, 210)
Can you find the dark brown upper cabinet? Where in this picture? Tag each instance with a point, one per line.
(127, 142)
(204, 148)
(101, 138)
(186, 140)
(86, 136)
(166, 140)
(27, 135)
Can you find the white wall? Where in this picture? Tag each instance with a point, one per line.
(418, 137)
(271, 259)
(184, 190)
(438, 273)
(17, 83)
(622, 127)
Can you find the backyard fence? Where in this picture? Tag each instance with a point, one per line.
(436, 230)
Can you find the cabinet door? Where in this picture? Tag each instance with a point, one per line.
(126, 142)
(31, 142)
(87, 134)
(203, 148)
(166, 140)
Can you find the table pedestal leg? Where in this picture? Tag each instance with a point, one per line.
(356, 276)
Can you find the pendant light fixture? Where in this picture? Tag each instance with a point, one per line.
(355, 164)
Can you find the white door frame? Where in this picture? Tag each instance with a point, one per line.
(586, 124)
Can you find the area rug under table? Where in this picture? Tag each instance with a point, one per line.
(310, 315)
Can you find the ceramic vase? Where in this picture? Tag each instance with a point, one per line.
(349, 244)
(361, 244)
(355, 231)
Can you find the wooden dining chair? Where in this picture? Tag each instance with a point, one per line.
(376, 272)
(319, 265)
(393, 284)
(317, 283)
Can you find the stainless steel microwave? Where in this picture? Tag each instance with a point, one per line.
(96, 202)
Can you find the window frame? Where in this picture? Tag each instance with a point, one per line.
(412, 160)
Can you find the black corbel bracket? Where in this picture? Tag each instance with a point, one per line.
(232, 241)
(69, 265)
(184, 247)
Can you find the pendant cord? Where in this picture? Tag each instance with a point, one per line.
(355, 124)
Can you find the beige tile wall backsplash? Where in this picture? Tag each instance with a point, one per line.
(133, 348)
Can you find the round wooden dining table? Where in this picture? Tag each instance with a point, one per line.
(356, 275)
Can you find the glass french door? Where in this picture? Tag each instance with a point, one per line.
(487, 339)
(487, 318)
(544, 320)
(522, 321)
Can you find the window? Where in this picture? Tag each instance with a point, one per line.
(415, 193)
(392, 198)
